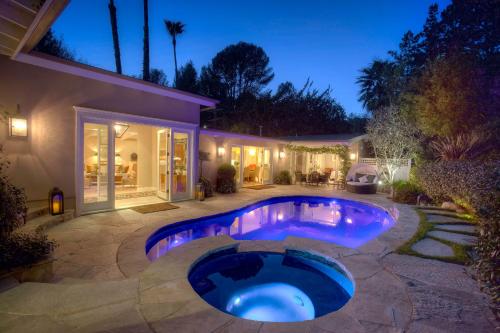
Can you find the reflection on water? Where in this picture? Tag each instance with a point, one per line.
(343, 222)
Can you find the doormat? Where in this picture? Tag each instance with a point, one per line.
(146, 209)
(260, 187)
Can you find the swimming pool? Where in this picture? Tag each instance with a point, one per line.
(340, 221)
(272, 286)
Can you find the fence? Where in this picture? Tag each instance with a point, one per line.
(402, 174)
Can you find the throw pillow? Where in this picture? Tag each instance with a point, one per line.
(357, 176)
(371, 178)
(363, 179)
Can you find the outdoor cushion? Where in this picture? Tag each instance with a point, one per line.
(357, 176)
(371, 178)
(364, 179)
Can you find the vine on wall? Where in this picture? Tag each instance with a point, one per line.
(341, 150)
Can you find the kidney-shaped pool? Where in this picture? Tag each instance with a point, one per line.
(344, 222)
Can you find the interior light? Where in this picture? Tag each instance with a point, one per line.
(120, 129)
(18, 126)
(252, 152)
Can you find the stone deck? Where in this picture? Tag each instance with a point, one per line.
(103, 281)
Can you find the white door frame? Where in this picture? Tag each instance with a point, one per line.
(166, 131)
(84, 114)
(189, 168)
(242, 154)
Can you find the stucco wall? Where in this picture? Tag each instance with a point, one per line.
(46, 158)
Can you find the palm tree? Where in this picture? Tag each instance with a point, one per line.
(145, 58)
(174, 28)
(116, 42)
(379, 84)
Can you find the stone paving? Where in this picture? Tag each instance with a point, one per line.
(103, 281)
(433, 248)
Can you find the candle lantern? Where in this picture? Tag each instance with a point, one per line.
(56, 201)
(199, 192)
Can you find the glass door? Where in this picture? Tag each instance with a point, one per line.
(98, 177)
(163, 136)
(236, 163)
(266, 166)
(181, 185)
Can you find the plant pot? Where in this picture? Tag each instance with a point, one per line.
(39, 272)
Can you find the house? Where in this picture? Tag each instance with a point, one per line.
(109, 141)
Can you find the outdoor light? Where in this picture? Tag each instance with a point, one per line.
(282, 154)
(56, 201)
(18, 126)
(380, 182)
(120, 129)
(221, 151)
(353, 156)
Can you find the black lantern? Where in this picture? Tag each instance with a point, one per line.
(56, 201)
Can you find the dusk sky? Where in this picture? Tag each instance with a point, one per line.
(327, 41)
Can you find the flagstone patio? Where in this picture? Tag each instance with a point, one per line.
(104, 282)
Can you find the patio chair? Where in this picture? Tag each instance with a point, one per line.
(300, 177)
(325, 178)
(314, 178)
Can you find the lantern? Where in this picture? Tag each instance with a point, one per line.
(199, 192)
(56, 201)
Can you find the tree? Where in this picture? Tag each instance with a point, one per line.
(453, 97)
(55, 46)
(158, 76)
(431, 34)
(409, 57)
(188, 78)
(237, 69)
(379, 84)
(114, 30)
(394, 140)
(174, 28)
(145, 58)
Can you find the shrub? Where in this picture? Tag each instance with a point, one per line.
(207, 186)
(463, 146)
(405, 192)
(283, 178)
(474, 185)
(19, 250)
(225, 179)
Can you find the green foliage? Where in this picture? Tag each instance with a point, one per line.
(451, 98)
(340, 150)
(55, 46)
(380, 85)
(225, 179)
(236, 70)
(20, 250)
(463, 146)
(17, 249)
(187, 79)
(12, 202)
(207, 186)
(283, 178)
(158, 76)
(405, 192)
(475, 185)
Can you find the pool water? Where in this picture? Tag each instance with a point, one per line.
(270, 286)
(344, 222)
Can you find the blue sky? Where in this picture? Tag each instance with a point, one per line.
(327, 41)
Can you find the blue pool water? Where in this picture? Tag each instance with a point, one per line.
(344, 222)
(269, 286)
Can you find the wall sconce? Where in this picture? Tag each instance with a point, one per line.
(353, 156)
(282, 154)
(18, 126)
(221, 151)
(120, 129)
(56, 201)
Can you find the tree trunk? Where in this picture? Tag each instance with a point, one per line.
(116, 42)
(145, 62)
(174, 42)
